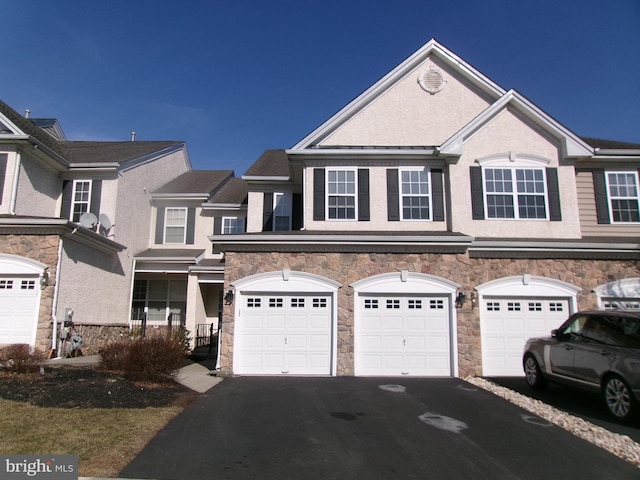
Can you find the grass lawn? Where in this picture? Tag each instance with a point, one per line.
(105, 440)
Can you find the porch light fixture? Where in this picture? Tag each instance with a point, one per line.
(44, 279)
(228, 298)
(460, 299)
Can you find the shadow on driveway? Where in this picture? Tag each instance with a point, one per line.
(586, 405)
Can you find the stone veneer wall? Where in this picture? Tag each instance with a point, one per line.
(96, 336)
(44, 249)
(346, 268)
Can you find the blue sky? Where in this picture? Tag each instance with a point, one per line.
(233, 78)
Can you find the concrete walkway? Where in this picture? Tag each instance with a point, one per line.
(195, 376)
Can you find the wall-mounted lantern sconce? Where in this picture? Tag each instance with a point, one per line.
(44, 279)
(228, 298)
(474, 298)
(460, 299)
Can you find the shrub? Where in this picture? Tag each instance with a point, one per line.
(20, 358)
(146, 358)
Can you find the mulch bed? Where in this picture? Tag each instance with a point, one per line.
(88, 387)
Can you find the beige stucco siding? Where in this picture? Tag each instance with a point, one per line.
(509, 133)
(38, 188)
(408, 115)
(378, 208)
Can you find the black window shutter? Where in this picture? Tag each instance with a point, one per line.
(553, 192)
(602, 199)
(3, 172)
(393, 195)
(477, 193)
(191, 225)
(437, 190)
(67, 193)
(318, 194)
(96, 195)
(217, 226)
(364, 210)
(296, 212)
(267, 213)
(159, 225)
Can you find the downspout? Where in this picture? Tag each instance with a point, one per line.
(54, 336)
(14, 187)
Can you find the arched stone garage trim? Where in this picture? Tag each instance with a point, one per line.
(515, 308)
(620, 294)
(406, 284)
(283, 282)
(31, 271)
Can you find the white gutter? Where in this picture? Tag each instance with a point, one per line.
(14, 187)
(54, 307)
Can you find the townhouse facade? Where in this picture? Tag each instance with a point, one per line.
(426, 229)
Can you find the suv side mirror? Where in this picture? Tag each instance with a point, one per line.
(554, 333)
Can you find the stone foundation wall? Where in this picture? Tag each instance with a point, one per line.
(44, 249)
(96, 336)
(346, 268)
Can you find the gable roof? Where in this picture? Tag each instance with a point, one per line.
(272, 164)
(491, 89)
(233, 192)
(572, 145)
(90, 153)
(200, 183)
(27, 127)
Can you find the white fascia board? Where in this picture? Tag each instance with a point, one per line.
(365, 98)
(342, 239)
(36, 148)
(223, 206)
(203, 197)
(92, 167)
(259, 178)
(572, 145)
(480, 245)
(365, 153)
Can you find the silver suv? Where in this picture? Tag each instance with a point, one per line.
(596, 350)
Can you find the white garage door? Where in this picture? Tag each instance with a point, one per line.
(506, 324)
(284, 334)
(18, 309)
(403, 335)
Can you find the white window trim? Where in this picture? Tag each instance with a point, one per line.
(610, 198)
(184, 226)
(354, 195)
(429, 195)
(73, 197)
(240, 221)
(532, 164)
(276, 197)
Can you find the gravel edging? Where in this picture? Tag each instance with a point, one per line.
(620, 445)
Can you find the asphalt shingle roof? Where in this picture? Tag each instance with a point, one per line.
(196, 181)
(233, 192)
(118, 152)
(272, 163)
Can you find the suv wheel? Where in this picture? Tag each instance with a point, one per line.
(533, 374)
(618, 397)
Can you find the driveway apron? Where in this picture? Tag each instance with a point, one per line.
(373, 428)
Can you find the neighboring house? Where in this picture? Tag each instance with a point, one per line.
(180, 276)
(72, 216)
(428, 228)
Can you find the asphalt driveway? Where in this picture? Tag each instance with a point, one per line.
(373, 428)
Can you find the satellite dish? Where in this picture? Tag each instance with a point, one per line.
(105, 222)
(88, 220)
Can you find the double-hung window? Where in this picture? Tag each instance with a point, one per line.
(282, 207)
(175, 225)
(415, 194)
(231, 225)
(81, 200)
(624, 196)
(518, 193)
(341, 194)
